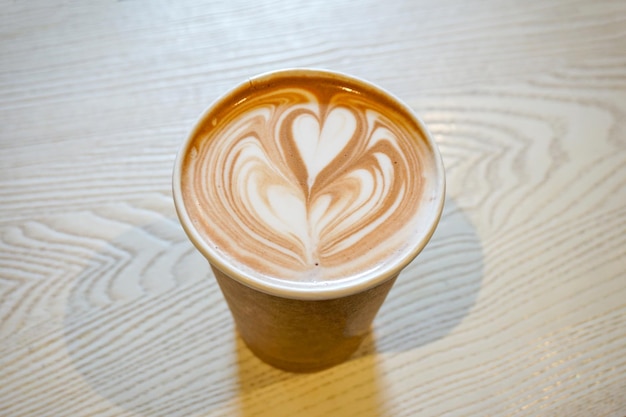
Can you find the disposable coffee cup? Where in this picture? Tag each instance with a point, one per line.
(308, 192)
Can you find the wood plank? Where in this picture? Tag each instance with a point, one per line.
(516, 307)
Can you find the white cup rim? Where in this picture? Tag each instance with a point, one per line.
(295, 289)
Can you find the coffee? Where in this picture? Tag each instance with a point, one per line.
(310, 179)
(308, 192)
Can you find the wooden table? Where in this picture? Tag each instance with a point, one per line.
(517, 306)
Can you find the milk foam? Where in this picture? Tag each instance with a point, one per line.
(307, 184)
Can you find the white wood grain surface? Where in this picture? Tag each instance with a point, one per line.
(517, 307)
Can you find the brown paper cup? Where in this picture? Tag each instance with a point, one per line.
(293, 327)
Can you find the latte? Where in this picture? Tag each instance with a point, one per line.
(310, 181)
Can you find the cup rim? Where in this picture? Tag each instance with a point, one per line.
(295, 289)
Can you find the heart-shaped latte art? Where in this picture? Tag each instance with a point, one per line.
(317, 221)
(296, 185)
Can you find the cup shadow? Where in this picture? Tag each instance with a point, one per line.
(436, 291)
(148, 331)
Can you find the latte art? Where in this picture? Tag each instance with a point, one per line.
(307, 184)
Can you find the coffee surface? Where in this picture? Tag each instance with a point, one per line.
(309, 180)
